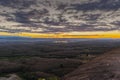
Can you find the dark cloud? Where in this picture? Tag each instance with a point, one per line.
(34, 14)
(101, 5)
(116, 23)
(20, 4)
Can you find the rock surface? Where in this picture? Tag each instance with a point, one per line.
(11, 77)
(105, 67)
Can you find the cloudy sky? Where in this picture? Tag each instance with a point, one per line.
(60, 18)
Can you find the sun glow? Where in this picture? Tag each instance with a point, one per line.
(95, 34)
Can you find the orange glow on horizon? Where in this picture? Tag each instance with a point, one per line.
(97, 34)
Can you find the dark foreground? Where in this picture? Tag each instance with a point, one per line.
(105, 67)
(50, 59)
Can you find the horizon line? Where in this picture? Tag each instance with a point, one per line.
(61, 35)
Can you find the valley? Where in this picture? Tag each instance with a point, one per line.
(38, 59)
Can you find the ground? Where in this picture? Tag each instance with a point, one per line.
(105, 67)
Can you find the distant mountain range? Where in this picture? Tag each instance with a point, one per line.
(12, 37)
(55, 40)
(59, 15)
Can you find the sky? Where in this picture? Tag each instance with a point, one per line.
(94, 34)
(78, 19)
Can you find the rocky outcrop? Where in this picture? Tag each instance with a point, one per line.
(11, 77)
(105, 67)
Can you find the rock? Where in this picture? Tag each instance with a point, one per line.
(105, 67)
(12, 77)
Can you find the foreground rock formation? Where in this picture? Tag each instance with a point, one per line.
(11, 77)
(105, 67)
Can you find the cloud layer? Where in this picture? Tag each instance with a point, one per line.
(43, 16)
